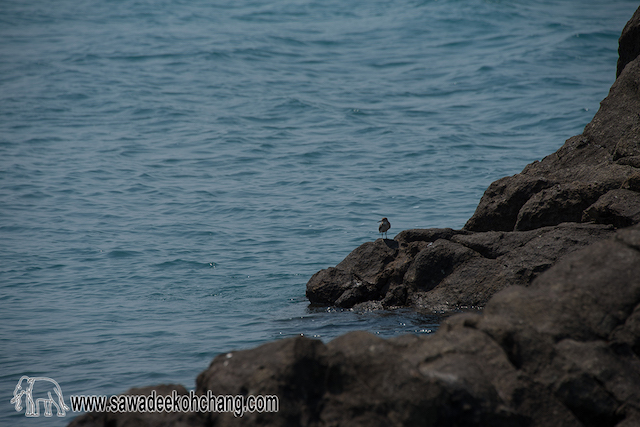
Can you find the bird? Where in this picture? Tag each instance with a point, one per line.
(385, 225)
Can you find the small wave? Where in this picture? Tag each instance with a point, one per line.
(123, 254)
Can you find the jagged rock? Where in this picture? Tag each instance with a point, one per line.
(561, 352)
(560, 348)
(591, 178)
(449, 269)
(558, 188)
(562, 202)
(359, 277)
(629, 43)
(618, 207)
(503, 200)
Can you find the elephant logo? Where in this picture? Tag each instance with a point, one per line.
(36, 390)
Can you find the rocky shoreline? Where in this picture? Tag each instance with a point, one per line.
(523, 225)
(443, 269)
(553, 256)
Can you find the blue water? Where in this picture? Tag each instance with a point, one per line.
(173, 172)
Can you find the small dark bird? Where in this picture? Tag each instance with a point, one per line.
(385, 225)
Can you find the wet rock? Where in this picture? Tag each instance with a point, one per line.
(330, 284)
(359, 277)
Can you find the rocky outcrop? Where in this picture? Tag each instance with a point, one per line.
(561, 187)
(564, 351)
(523, 224)
(560, 347)
(629, 43)
(606, 157)
(443, 269)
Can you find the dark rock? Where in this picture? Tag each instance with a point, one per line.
(359, 277)
(633, 161)
(576, 329)
(560, 203)
(425, 235)
(328, 285)
(499, 207)
(633, 182)
(435, 262)
(396, 296)
(294, 369)
(370, 258)
(629, 43)
(450, 269)
(618, 207)
(559, 348)
(561, 352)
(558, 188)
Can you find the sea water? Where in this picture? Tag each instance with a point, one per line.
(173, 172)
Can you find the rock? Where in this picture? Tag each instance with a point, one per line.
(426, 235)
(561, 347)
(435, 262)
(618, 207)
(362, 380)
(633, 182)
(562, 352)
(629, 43)
(558, 188)
(499, 207)
(294, 369)
(448, 270)
(359, 277)
(562, 202)
(592, 178)
(579, 318)
(330, 284)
